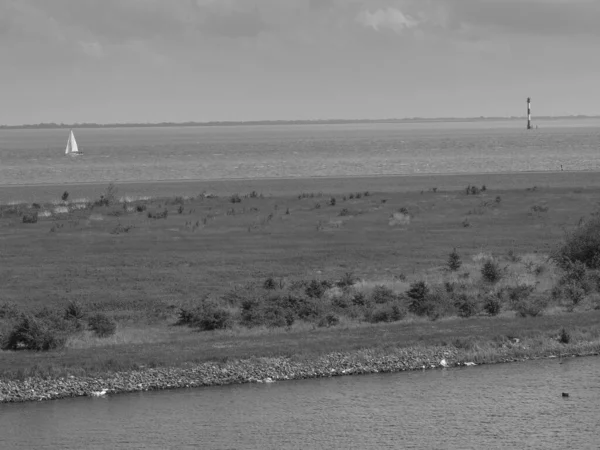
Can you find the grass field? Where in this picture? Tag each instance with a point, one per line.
(140, 267)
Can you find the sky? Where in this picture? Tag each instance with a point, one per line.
(109, 61)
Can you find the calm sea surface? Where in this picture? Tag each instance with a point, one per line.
(211, 153)
(513, 406)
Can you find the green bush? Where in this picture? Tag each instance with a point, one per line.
(466, 305)
(491, 271)
(390, 312)
(492, 305)
(519, 292)
(102, 325)
(329, 320)
(418, 293)
(564, 337)
(532, 306)
(581, 245)
(454, 261)
(382, 294)
(30, 217)
(33, 333)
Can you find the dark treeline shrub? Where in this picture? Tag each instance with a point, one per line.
(140, 208)
(64, 197)
(581, 245)
(102, 325)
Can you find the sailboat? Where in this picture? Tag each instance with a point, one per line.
(72, 148)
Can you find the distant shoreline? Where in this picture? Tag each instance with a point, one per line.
(47, 126)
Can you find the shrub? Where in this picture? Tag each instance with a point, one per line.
(492, 305)
(519, 292)
(30, 217)
(102, 325)
(347, 280)
(532, 306)
(235, 198)
(64, 196)
(574, 293)
(140, 208)
(330, 320)
(491, 271)
(359, 299)
(332, 201)
(315, 289)
(564, 337)
(454, 262)
(581, 245)
(467, 306)
(74, 312)
(33, 333)
(159, 215)
(391, 312)
(417, 293)
(382, 294)
(270, 284)
(180, 209)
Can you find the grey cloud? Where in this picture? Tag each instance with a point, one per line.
(535, 17)
(233, 24)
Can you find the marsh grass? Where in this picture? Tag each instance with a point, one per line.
(141, 280)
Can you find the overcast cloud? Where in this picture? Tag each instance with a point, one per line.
(155, 60)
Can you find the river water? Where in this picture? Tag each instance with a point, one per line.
(507, 406)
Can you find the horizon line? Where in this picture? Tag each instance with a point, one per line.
(54, 125)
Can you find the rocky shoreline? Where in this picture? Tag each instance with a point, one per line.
(260, 370)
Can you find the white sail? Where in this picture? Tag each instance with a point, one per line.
(71, 145)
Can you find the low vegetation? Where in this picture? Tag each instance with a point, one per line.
(274, 272)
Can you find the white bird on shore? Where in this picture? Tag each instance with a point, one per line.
(470, 364)
(443, 363)
(99, 393)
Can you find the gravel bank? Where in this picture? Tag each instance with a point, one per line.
(258, 370)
